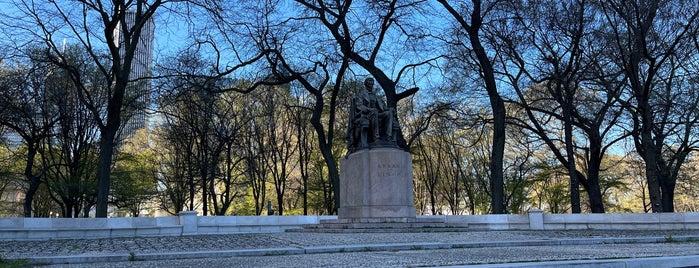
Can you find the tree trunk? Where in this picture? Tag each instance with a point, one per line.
(280, 203)
(653, 187)
(107, 136)
(190, 181)
(325, 143)
(302, 142)
(204, 196)
(570, 152)
(212, 191)
(497, 156)
(33, 180)
(496, 101)
(651, 160)
(334, 174)
(498, 109)
(594, 192)
(103, 170)
(433, 203)
(667, 187)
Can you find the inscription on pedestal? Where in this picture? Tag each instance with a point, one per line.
(385, 170)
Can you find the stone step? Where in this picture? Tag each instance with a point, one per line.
(400, 224)
(384, 220)
(380, 230)
(373, 225)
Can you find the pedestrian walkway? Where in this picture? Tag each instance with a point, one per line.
(590, 248)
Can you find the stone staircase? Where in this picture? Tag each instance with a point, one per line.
(381, 225)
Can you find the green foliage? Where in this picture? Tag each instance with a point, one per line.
(687, 197)
(10, 180)
(133, 177)
(247, 207)
(7, 263)
(550, 189)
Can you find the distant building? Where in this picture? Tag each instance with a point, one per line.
(138, 94)
(12, 200)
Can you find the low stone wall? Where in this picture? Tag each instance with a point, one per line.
(67, 228)
(537, 220)
(627, 221)
(188, 223)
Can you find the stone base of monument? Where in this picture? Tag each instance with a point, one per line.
(376, 194)
(376, 183)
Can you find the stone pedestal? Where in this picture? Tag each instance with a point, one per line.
(189, 222)
(376, 183)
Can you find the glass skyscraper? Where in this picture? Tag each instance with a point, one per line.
(138, 94)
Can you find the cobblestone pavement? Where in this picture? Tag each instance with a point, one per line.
(425, 258)
(500, 248)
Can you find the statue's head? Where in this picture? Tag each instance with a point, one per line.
(369, 84)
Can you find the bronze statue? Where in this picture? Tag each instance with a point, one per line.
(371, 123)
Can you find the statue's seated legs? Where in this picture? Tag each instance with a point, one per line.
(374, 119)
(394, 132)
(362, 132)
(385, 126)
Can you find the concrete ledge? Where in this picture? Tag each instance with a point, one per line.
(187, 223)
(190, 224)
(82, 233)
(622, 221)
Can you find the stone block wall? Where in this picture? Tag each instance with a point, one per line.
(188, 223)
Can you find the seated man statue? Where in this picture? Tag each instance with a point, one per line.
(369, 119)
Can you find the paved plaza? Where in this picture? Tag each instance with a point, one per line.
(583, 248)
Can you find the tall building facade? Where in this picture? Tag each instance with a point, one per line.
(138, 92)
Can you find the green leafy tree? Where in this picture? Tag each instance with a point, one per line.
(134, 184)
(10, 181)
(26, 113)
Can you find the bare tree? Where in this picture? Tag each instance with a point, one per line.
(471, 18)
(254, 152)
(277, 123)
(427, 175)
(69, 153)
(301, 118)
(213, 119)
(652, 44)
(553, 53)
(174, 169)
(101, 29)
(229, 120)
